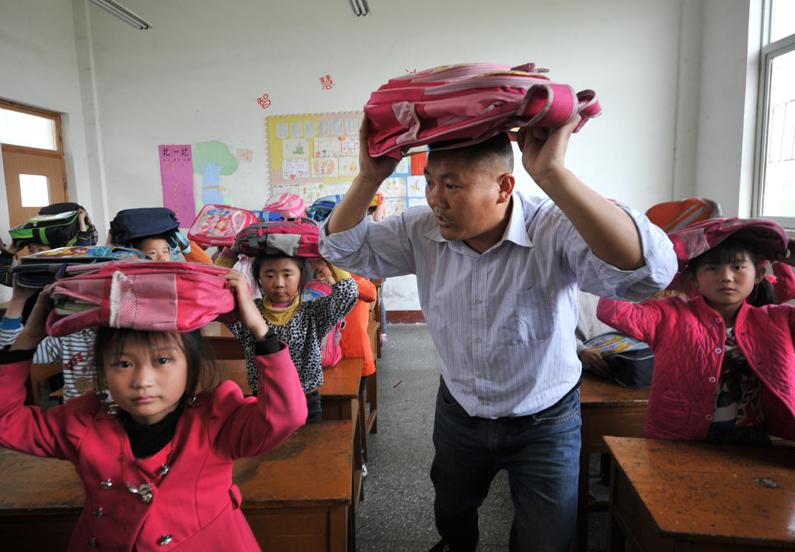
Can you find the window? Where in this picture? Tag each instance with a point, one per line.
(26, 129)
(775, 180)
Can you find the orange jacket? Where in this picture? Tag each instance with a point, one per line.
(355, 341)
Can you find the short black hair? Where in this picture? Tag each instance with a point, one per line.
(730, 251)
(202, 371)
(303, 266)
(496, 147)
(137, 242)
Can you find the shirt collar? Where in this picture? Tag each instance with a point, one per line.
(515, 232)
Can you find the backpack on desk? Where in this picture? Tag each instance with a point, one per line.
(630, 362)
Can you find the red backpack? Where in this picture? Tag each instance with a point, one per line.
(167, 297)
(469, 103)
(297, 238)
(674, 215)
(219, 224)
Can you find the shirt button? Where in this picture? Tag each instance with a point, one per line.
(718, 320)
(718, 350)
(106, 484)
(709, 417)
(712, 379)
(478, 301)
(99, 512)
(92, 542)
(165, 539)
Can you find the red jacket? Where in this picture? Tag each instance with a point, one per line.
(195, 506)
(688, 339)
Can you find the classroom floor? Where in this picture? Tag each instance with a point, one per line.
(397, 512)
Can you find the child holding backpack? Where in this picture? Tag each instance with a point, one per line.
(156, 463)
(302, 325)
(724, 369)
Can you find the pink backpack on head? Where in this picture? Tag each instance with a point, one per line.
(768, 239)
(295, 238)
(289, 206)
(469, 103)
(219, 224)
(167, 297)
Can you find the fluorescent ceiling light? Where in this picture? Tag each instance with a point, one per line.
(120, 12)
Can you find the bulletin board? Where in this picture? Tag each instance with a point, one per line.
(317, 154)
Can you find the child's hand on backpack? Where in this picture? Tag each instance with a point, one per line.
(250, 315)
(372, 170)
(35, 327)
(10, 249)
(595, 361)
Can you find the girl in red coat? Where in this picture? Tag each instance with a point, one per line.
(157, 462)
(724, 369)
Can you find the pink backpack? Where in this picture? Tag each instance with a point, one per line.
(330, 348)
(289, 206)
(219, 224)
(296, 238)
(167, 297)
(469, 103)
(768, 239)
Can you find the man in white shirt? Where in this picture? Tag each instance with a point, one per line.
(498, 275)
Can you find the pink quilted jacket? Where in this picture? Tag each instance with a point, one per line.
(688, 339)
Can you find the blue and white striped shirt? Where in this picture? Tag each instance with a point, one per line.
(503, 321)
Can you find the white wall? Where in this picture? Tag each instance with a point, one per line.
(730, 45)
(38, 67)
(196, 75)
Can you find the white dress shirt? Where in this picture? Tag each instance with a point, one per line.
(503, 321)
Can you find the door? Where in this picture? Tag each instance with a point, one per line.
(33, 179)
(33, 160)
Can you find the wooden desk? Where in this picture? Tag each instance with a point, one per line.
(295, 498)
(221, 342)
(235, 370)
(686, 496)
(341, 385)
(607, 409)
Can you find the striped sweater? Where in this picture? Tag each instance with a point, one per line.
(75, 351)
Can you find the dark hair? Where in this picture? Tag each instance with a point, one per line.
(202, 371)
(730, 251)
(137, 242)
(498, 146)
(303, 266)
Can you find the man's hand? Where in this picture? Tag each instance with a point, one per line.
(544, 152)
(372, 170)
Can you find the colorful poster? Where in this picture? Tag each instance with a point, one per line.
(176, 177)
(317, 154)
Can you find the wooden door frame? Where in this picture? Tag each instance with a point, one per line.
(58, 153)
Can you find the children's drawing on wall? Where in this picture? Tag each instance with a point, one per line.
(176, 176)
(317, 154)
(211, 160)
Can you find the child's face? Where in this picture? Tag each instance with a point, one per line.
(280, 279)
(727, 285)
(156, 249)
(147, 380)
(320, 269)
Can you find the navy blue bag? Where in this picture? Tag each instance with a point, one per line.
(132, 224)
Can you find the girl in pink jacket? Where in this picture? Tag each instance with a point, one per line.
(156, 463)
(724, 370)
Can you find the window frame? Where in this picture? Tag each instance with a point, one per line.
(769, 52)
(58, 152)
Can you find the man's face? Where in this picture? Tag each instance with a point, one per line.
(465, 196)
